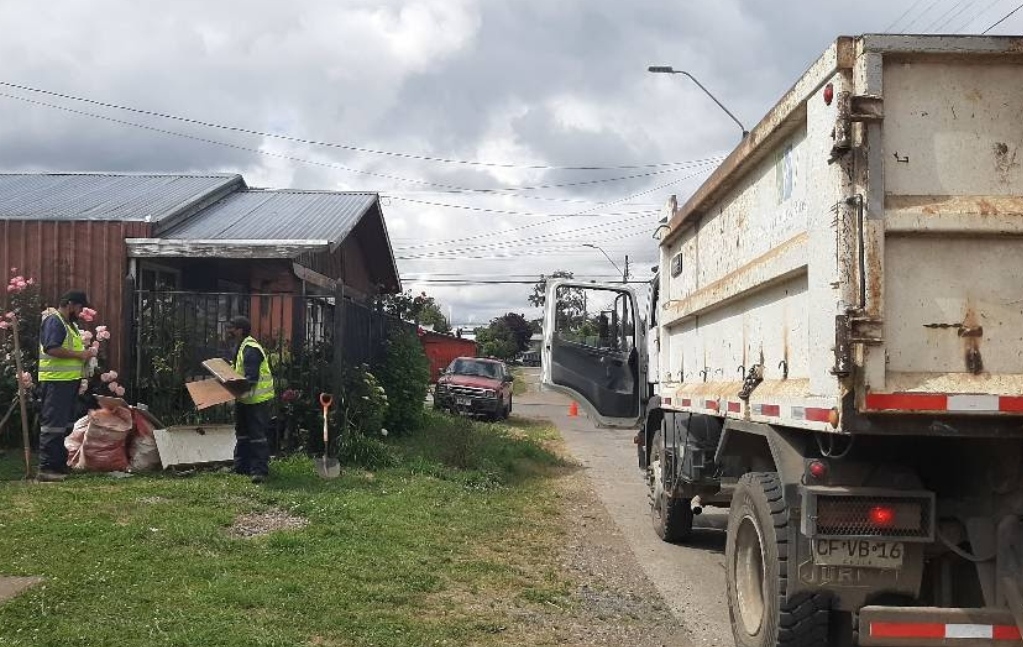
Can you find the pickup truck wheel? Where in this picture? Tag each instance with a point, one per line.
(756, 556)
(672, 518)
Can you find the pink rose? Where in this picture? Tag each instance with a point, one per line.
(112, 374)
(113, 386)
(86, 336)
(4, 325)
(103, 335)
(9, 316)
(94, 345)
(101, 328)
(30, 281)
(120, 391)
(106, 377)
(11, 288)
(13, 270)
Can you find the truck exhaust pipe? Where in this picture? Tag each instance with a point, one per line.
(696, 505)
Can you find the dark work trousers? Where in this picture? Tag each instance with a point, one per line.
(252, 449)
(59, 400)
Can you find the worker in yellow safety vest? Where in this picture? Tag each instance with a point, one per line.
(252, 408)
(62, 359)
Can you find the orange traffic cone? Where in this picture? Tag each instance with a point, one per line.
(573, 409)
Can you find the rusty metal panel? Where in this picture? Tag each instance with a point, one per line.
(951, 257)
(90, 255)
(954, 129)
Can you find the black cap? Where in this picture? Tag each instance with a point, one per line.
(75, 296)
(240, 322)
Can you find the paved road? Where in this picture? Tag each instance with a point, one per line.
(691, 578)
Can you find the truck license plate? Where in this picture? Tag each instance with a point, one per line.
(463, 402)
(863, 553)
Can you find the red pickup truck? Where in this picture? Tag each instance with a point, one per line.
(475, 386)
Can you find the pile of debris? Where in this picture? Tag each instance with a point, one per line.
(114, 438)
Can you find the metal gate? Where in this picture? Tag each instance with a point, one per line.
(175, 331)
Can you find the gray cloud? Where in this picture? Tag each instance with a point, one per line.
(522, 81)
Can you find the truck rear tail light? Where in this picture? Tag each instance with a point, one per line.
(817, 470)
(838, 512)
(883, 516)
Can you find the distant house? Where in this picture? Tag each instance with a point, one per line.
(123, 236)
(536, 342)
(441, 349)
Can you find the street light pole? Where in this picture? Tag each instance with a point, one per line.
(667, 69)
(625, 274)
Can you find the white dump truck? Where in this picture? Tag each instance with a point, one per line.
(833, 348)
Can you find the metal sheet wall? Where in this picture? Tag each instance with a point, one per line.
(61, 255)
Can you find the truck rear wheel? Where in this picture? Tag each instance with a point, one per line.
(672, 518)
(756, 556)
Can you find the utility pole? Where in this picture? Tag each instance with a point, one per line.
(625, 274)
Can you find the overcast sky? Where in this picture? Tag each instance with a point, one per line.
(511, 91)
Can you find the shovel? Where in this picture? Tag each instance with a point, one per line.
(327, 467)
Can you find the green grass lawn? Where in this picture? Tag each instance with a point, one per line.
(452, 546)
(519, 386)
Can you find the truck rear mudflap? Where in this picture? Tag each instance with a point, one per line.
(926, 626)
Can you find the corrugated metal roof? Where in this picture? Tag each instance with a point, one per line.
(277, 215)
(100, 196)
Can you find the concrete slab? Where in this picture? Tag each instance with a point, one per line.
(13, 586)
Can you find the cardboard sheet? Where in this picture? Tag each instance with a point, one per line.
(223, 371)
(209, 392)
(225, 385)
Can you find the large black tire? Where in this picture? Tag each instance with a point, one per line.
(756, 559)
(672, 518)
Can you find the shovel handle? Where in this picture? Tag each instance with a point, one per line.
(326, 400)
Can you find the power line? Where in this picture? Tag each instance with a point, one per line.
(313, 142)
(503, 212)
(553, 218)
(921, 15)
(598, 228)
(472, 282)
(331, 165)
(513, 254)
(551, 221)
(980, 13)
(965, 4)
(1002, 19)
(904, 14)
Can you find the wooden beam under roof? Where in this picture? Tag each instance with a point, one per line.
(212, 248)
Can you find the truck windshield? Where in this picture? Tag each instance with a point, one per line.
(470, 367)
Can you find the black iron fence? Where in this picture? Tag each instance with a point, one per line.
(175, 332)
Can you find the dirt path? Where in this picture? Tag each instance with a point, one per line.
(688, 579)
(12, 586)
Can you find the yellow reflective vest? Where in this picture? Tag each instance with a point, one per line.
(264, 388)
(58, 369)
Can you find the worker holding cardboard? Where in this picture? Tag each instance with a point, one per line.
(252, 408)
(62, 358)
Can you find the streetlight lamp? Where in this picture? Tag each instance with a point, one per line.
(667, 69)
(625, 274)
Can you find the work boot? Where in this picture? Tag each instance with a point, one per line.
(258, 478)
(50, 477)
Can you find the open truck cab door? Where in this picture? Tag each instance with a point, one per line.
(594, 350)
